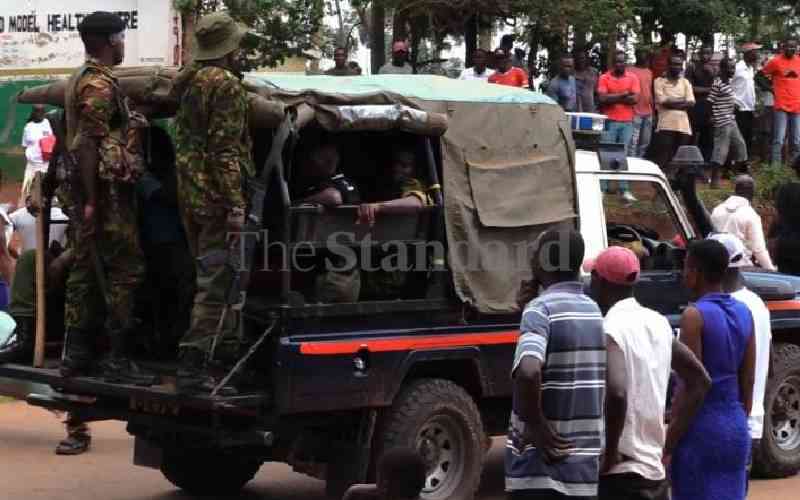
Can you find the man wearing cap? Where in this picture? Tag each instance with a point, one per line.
(399, 63)
(102, 135)
(733, 283)
(214, 156)
(737, 217)
(744, 88)
(641, 353)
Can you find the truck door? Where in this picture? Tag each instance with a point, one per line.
(640, 214)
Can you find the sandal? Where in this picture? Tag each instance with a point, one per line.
(74, 445)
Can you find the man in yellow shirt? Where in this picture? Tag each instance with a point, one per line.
(674, 97)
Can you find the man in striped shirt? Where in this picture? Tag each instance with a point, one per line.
(727, 137)
(556, 436)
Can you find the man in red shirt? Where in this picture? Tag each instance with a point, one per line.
(507, 74)
(643, 121)
(618, 91)
(784, 71)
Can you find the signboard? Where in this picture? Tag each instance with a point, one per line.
(43, 34)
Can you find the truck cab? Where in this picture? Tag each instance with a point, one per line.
(657, 225)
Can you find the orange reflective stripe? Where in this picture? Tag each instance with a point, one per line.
(784, 305)
(410, 343)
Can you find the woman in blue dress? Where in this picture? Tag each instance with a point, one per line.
(710, 454)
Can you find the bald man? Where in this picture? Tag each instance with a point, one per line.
(737, 217)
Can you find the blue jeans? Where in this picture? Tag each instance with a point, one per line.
(782, 121)
(642, 133)
(619, 133)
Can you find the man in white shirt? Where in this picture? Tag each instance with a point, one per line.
(744, 90)
(734, 284)
(37, 128)
(478, 71)
(25, 224)
(737, 217)
(642, 351)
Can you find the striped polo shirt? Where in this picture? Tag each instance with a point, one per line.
(723, 103)
(563, 328)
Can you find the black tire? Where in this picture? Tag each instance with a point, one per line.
(778, 454)
(441, 420)
(208, 472)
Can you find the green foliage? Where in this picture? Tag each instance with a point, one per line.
(769, 178)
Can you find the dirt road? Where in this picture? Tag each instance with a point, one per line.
(30, 471)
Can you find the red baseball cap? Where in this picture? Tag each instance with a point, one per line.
(616, 265)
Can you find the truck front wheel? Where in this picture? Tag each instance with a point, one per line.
(440, 420)
(208, 472)
(779, 452)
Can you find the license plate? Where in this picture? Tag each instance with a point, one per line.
(154, 407)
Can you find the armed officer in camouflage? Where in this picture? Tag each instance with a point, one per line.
(105, 157)
(214, 157)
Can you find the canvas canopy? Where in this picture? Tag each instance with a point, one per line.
(507, 167)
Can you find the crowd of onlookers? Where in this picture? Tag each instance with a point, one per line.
(592, 370)
(662, 101)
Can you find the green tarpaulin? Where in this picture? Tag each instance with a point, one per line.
(425, 87)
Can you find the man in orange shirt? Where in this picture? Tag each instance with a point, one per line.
(618, 91)
(507, 74)
(784, 71)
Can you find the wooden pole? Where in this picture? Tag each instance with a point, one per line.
(41, 239)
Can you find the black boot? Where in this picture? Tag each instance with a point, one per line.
(18, 347)
(119, 368)
(194, 377)
(77, 358)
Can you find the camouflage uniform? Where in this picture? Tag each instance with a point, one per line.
(214, 156)
(102, 114)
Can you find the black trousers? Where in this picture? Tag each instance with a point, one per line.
(745, 121)
(630, 486)
(543, 495)
(664, 146)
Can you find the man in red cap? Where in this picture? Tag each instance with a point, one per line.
(641, 353)
(399, 64)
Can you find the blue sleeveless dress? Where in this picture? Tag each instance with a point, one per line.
(710, 461)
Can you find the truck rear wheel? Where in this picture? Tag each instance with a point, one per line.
(779, 452)
(208, 472)
(440, 420)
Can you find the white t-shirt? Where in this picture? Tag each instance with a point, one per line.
(763, 331)
(645, 338)
(469, 74)
(25, 224)
(736, 216)
(744, 87)
(31, 136)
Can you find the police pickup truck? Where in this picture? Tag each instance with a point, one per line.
(327, 387)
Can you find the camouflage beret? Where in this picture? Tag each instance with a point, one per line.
(101, 23)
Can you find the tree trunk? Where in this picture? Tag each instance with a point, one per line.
(755, 21)
(188, 21)
(377, 42)
(470, 39)
(399, 25)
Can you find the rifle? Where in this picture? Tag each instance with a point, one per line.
(239, 256)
